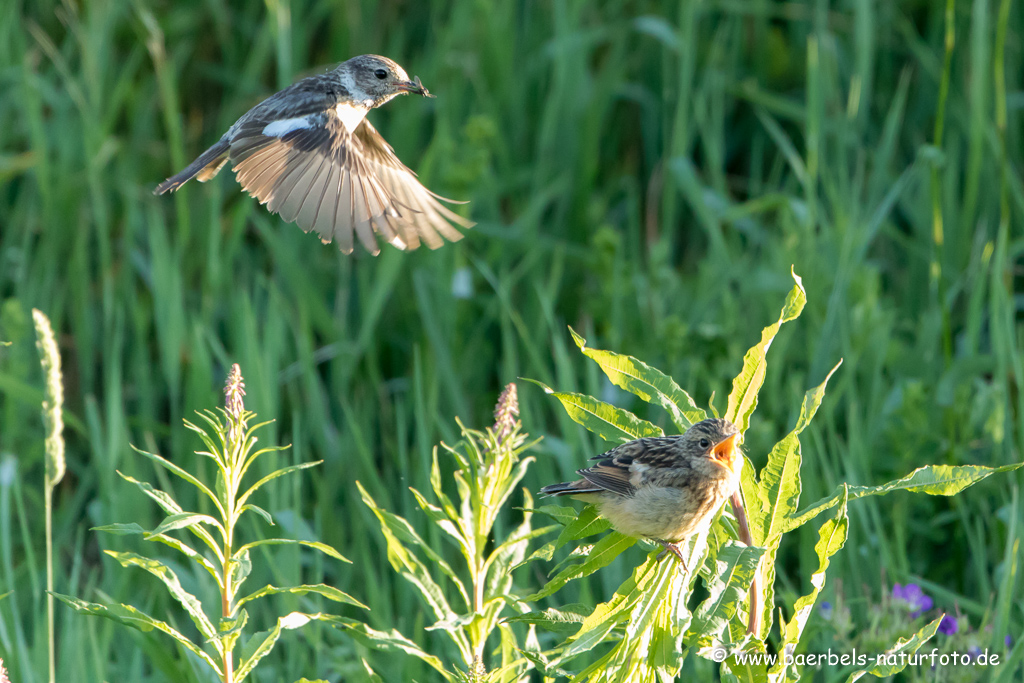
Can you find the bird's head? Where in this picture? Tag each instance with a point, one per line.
(715, 442)
(377, 79)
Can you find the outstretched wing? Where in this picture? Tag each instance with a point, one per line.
(327, 169)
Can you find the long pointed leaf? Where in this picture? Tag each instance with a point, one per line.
(648, 383)
(935, 480)
(743, 397)
(321, 589)
(138, 620)
(316, 545)
(610, 423)
(274, 475)
(170, 579)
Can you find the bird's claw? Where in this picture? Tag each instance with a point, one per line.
(674, 549)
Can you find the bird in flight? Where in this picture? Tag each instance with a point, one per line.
(309, 154)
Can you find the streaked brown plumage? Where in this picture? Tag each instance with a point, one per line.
(665, 489)
(309, 154)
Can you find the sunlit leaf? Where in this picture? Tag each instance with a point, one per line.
(730, 577)
(323, 590)
(186, 520)
(831, 538)
(648, 383)
(567, 619)
(603, 552)
(391, 641)
(259, 511)
(397, 532)
(896, 658)
(935, 480)
(610, 423)
(261, 644)
(274, 475)
(316, 545)
(187, 476)
(743, 397)
(170, 580)
(170, 506)
(779, 493)
(140, 621)
(587, 523)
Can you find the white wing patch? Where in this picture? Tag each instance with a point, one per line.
(277, 129)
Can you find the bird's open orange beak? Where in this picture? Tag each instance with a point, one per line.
(724, 451)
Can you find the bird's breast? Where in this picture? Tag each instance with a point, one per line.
(351, 115)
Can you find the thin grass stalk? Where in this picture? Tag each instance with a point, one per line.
(938, 235)
(53, 419)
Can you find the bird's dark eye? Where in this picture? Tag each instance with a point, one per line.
(381, 74)
(704, 443)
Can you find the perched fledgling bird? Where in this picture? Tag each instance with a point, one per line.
(665, 488)
(311, 156)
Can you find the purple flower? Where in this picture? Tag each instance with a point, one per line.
(826, 610)
(948, 625)
(914, 597)
(1008, 640)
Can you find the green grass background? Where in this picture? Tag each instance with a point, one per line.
(645, 172)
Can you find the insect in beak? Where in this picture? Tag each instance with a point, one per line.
(414, 87)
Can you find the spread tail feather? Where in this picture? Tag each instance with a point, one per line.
(205, 166)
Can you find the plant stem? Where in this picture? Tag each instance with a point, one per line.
(48, 503)
(754, 616)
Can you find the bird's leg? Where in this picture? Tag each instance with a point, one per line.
(674, 549)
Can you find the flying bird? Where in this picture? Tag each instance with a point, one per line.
(309, 154)
(665, 489)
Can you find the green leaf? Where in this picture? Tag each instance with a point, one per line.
(444, 522)
(603, 552)
(274, 475)
(316, 545)
(648, 383)
(397, 532)
(259, 511)
(391, 641)
(610, 423)
(140, 621)
(935, 480)
(893, 662)
(239, 567)
(181, 546)
(779, 495)
(187, 476)
(730, 577)
(563, 514)
(185, 520)
(587, 523)
(567, 619)
(260, 644)
(743, 397)
(324, 590)
(780, 478)
(170, 506)
(372, 676)
(831, 538)
(651, 608)
(120, 529)
(170, 579)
